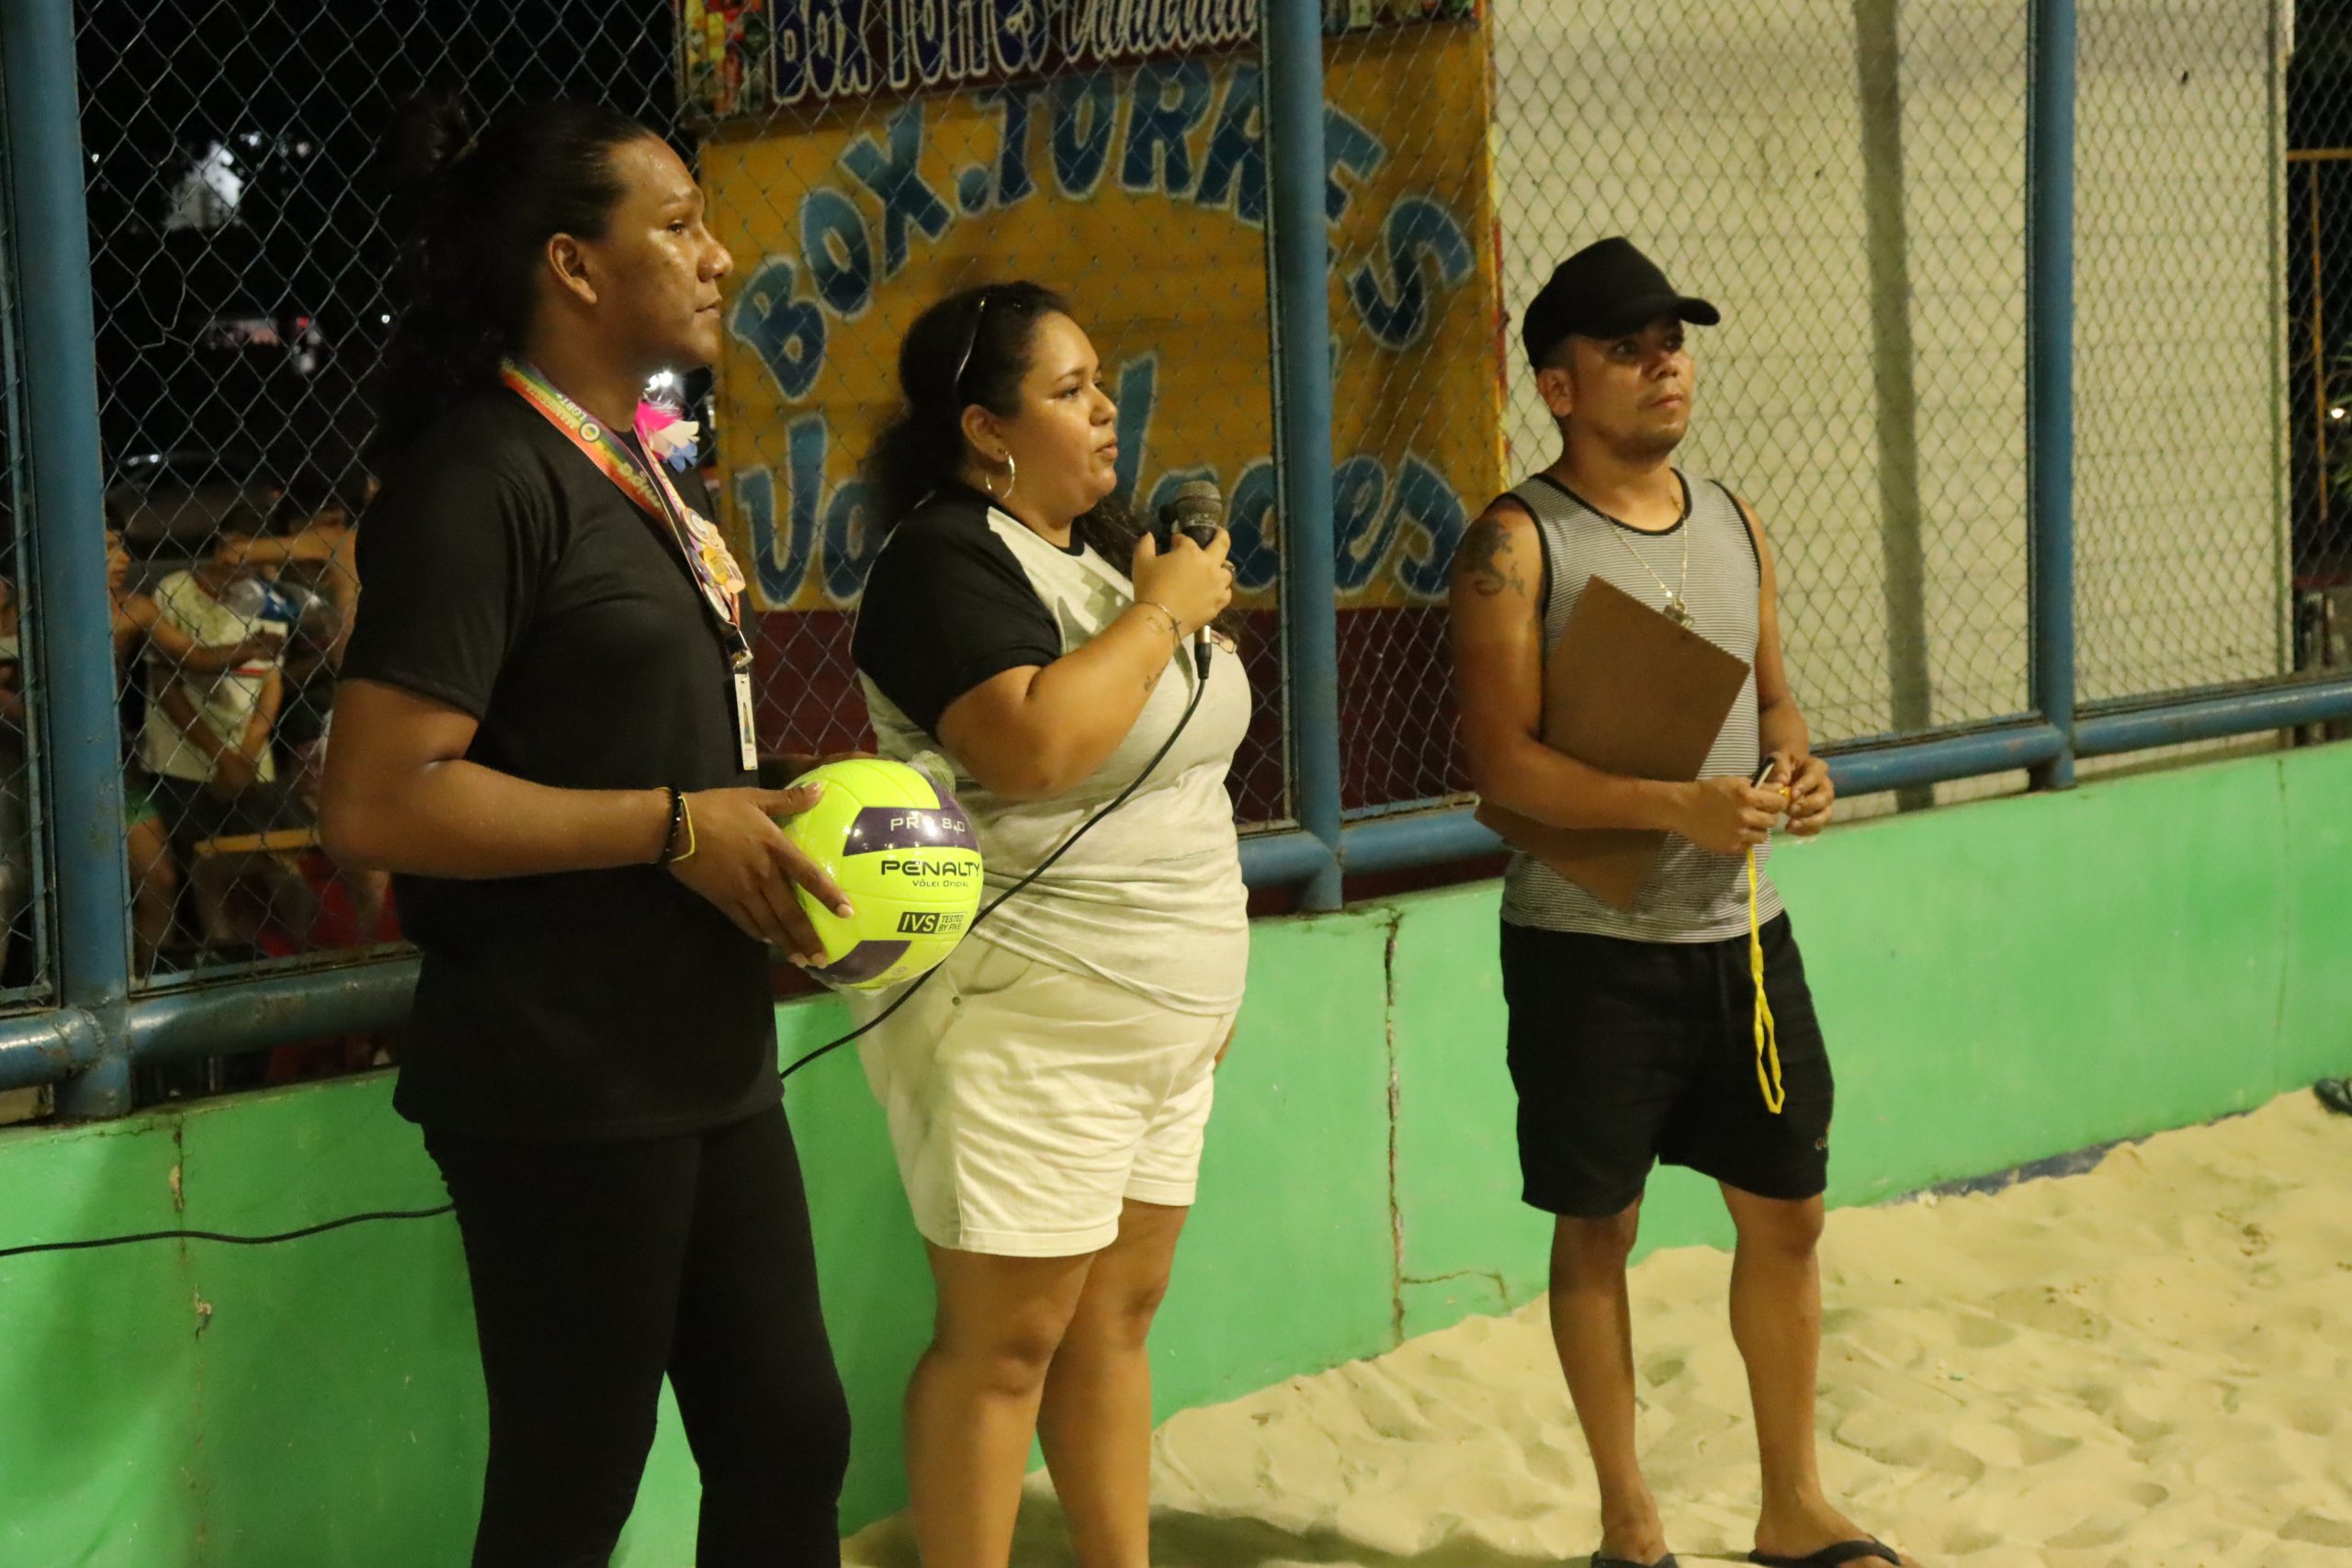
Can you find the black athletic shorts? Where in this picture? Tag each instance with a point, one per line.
(1626, 1052)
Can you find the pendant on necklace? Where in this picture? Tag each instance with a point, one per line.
(1676, 611)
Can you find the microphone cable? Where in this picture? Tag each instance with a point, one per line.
(1200, 688)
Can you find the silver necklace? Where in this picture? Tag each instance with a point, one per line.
(1676, 610)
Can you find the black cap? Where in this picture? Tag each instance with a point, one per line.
(1606, 289)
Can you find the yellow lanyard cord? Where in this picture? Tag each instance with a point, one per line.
(1768, 1039)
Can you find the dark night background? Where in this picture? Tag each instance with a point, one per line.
(2319, 116)
(298, 94)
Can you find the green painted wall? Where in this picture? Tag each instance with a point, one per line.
(2000, 982)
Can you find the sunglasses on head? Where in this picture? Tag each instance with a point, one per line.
(979, 313)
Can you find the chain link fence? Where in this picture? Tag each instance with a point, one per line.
(238, 260)
(1846, 183)
(2183, 558)
(2318, 270)
(24, 908)
(1416, 398)
(858, 178)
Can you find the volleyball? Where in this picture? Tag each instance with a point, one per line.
(904, 851)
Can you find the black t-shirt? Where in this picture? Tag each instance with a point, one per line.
(508, 578)
(948, 608)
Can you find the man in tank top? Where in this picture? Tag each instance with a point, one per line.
(1633, 1034)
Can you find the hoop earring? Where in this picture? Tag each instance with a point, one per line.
(1011, 477)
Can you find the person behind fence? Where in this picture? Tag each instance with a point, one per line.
(537, 733)
(141, 628)
(208, 743)
(313, 542)
(1047, 1091)
(1633, 1032)
(311, 554)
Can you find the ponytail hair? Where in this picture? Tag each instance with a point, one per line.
(478, 209)
(921, 448)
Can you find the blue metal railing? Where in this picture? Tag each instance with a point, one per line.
(2050, 375)
(88, 1043)
(68, 635)
(1298, 265)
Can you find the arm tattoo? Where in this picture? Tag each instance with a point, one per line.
(1480, 565)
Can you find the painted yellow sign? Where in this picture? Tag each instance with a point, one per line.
(1142, 193)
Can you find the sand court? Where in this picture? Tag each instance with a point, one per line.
(2147, 1365)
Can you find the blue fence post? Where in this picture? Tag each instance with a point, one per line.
(67, 625)
(2050, 373)
(1297, 274)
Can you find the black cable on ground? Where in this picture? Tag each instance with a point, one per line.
(224, 1236)
(94, 1243)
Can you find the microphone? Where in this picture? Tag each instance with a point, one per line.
(1197, 511)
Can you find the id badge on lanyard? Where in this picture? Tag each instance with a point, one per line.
(746, 732)
(712, 565)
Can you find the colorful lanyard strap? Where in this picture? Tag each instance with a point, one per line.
(713, 565)
(1768, 1037)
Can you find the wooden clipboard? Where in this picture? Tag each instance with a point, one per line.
(1628, 691)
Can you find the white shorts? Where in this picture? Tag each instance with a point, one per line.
(1026, 1103)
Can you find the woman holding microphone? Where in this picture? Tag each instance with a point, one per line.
(1047, 1091)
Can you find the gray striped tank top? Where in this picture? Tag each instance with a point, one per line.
(1691, 895)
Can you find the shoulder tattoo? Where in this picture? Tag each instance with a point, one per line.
(1479, 564)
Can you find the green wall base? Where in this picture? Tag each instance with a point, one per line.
(2000, 982)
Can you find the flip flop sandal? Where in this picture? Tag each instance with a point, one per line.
(1831, 1556)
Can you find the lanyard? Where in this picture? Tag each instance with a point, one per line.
(1767, 1034)
(716, 574)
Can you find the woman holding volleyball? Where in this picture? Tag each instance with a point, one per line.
(1047, 1090)
(538, 734)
